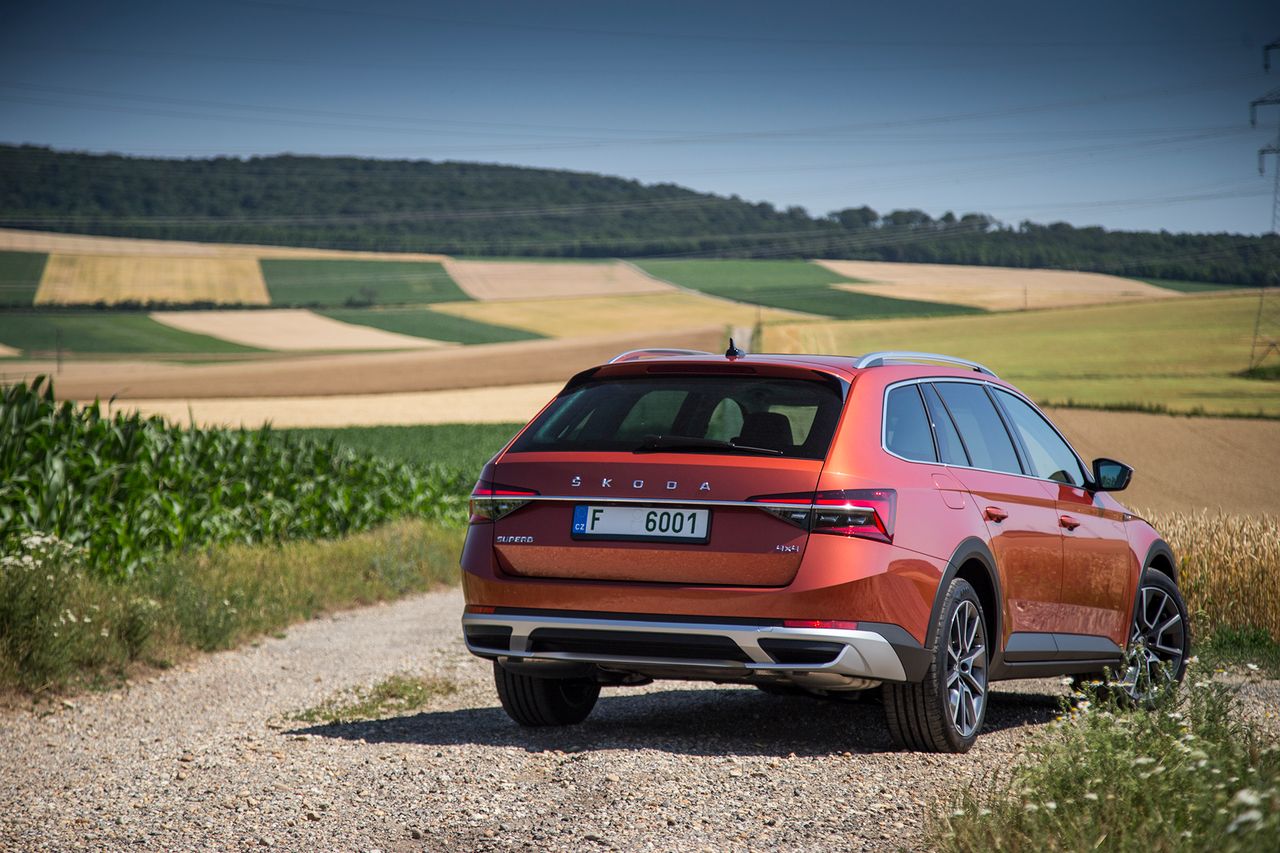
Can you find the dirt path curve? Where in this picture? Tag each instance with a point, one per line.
(205, 757)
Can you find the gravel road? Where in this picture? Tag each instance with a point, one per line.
(205, 756)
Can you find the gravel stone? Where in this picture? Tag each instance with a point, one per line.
(206, 756)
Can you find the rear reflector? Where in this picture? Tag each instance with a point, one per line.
(492, 501)
(865, 513)
(820, 623)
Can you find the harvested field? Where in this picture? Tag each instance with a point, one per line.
(601, 315)
(1183, 463)
(288, 329)
(88, 279)
(992, 288)
(515, 363)
(6, 351)
(471, 405)
(17, 239)
(496, 280)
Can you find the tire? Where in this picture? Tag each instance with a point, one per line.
(1159, 642)
(944, 712)
(544, 701)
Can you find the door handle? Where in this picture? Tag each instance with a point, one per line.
(996, 514)
(1068, 522)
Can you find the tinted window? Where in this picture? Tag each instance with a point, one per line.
(980, 426)
(950, 447)
(794, 416)
(906, 427)
(1048, 455)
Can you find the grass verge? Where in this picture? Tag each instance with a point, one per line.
(394, 695)
(456, 447)
(1191, 774)
(63, 626)
(425, 323)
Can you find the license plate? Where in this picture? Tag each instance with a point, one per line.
(641, 523)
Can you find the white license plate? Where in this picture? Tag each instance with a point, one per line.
(641, 523)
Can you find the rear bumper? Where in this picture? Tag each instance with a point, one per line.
(700, 649)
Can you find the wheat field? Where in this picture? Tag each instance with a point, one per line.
(88, 279)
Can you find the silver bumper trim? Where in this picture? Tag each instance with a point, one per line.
(866, 654)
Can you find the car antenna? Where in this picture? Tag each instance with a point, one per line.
(733, 351)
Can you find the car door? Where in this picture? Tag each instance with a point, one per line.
(1020, 513)
(1095, 549)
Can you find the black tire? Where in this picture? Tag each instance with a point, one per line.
(1159, 642)
(544, 701)
(930, 716)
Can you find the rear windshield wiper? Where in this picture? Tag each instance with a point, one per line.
(654, 443)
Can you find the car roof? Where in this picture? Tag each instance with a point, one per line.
(896, 364)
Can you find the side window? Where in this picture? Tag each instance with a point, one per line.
(949, 445)
(980, 426)
(1050, 457)
(906, 427)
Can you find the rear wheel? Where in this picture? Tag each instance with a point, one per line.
(544, 701)
(944, 713)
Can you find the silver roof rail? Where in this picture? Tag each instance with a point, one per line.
(655, 352)
(879, 359)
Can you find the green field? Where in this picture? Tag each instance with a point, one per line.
(425, 323)
(796, 285)
(1191, 286)
(20, 274)
(1181, 355)
(335, 283)
(460, 447)
(103, 332)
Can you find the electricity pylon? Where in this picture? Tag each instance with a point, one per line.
(1272, 98)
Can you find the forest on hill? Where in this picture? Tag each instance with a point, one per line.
(482, 209)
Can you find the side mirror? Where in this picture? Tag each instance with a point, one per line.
(1110, 475)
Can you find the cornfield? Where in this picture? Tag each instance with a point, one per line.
(128, 489)
(1230, 569)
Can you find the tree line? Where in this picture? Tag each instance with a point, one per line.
(463, 208)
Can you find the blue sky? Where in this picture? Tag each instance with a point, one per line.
(1128, 115)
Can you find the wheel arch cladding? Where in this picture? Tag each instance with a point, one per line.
(974, 562)
(1160, 557)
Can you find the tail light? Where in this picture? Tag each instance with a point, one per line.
(492, 501)
(865, 513)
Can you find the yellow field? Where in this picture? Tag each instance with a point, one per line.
(288, 329)
(18, 240)
(605, 315)
(490, 280)
(81, 279)
(992, 288)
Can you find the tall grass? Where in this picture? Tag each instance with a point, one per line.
(127, 489)
(1229, 569)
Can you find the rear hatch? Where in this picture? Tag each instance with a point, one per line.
(669, 476)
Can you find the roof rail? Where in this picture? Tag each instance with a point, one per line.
(655, 352)
(880, 359)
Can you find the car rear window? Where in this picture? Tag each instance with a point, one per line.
(794, 417)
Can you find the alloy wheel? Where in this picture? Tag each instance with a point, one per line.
(1156, 643)
(966, 668)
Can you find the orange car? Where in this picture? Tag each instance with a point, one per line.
(898, 520)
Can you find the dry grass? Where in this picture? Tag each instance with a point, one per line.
(85, 279)
(1230, 568)
(490, 280)
(992, 288)
(510, 404)
(288, 329)
(609, 315)
(40, 241)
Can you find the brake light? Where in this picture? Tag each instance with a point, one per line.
(864, 513)
(492, 501)
(820, 623)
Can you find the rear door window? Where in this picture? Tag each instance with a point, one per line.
(980, 426)
(794, 417)
(1049, 456)
(950, 447)
(906, 426)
